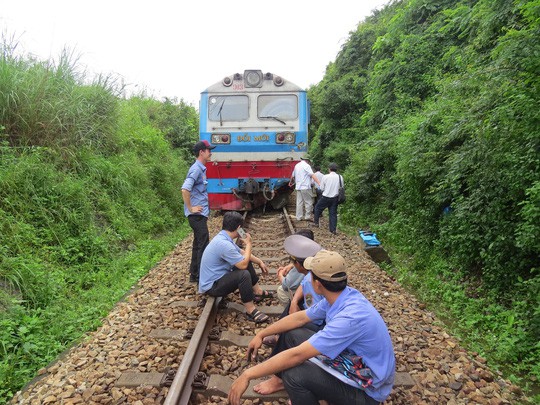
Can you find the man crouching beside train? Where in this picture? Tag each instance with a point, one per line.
(350, 361)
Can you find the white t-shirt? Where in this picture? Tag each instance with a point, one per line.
(330, 184)
(302, 175)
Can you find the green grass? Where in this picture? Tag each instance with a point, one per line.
(33, 337)
(90, 200)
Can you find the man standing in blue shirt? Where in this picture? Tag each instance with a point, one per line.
(350, 361)
(196, 207)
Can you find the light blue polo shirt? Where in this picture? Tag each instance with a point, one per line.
(218, 259)
(196, 183)
(310, 296)
(353, 323)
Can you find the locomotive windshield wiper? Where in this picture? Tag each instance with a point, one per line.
(275, 118)
(219, 112)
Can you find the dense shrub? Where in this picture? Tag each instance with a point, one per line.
(90, 199)
(443, 158)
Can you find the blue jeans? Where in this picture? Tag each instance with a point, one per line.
(332, 205)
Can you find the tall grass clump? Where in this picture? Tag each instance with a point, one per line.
(89, 200)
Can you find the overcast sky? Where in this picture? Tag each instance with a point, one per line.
(179, 48)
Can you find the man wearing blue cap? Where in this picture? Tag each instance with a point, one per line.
(196, 207)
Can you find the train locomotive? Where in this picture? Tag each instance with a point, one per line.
(259, 125)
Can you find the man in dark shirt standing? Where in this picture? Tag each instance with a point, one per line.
(196, 207)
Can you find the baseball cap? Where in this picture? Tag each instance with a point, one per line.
(301, 247)
(202, 145)
(326, 264)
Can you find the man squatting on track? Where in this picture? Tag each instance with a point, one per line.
(350, 361)
(299, 247)
(226, 268)
(290, 276)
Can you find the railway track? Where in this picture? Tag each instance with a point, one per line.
(268, 234)
(146, 351)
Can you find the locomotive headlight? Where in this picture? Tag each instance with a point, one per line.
(285, 137)
(227, 81)
(278, 81)
(218, 139)
(253, 78)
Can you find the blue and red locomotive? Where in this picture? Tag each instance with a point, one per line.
(259, 123)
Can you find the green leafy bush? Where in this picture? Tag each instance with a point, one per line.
(90, 199)
(442, 159)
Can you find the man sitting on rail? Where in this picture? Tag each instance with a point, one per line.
(350, 361)
(223, 264)
(299, 247)
(289, 276)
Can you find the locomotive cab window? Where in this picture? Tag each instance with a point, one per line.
(283, 107)
(228, 108)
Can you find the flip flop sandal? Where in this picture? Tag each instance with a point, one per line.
(265, 295)
(257, 316)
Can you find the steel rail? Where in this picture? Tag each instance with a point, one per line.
(181, 389)
(289, 222)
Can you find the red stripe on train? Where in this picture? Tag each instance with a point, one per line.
(256, 169)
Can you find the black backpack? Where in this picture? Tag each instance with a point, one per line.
(341, 192)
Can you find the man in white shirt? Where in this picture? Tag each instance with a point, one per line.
(330, 184)
(301, 176)
(319, 176)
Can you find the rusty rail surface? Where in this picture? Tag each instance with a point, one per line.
(181, 389)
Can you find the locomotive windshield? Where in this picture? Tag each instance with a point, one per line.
(228, 108)
(284, 107)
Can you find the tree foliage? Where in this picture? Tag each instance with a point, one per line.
(439, 103)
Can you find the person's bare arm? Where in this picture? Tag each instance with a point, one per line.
(246, 252)
(281, 361)
(283, 271)
(295, 302)
(259, 263)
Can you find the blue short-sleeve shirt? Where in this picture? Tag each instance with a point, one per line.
(196, 183)
(310, 296)
(292, 280)
(218, 259)
(353, 324)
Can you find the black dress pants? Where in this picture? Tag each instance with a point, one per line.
(307, 383)
(201, 238)
(237, 279)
